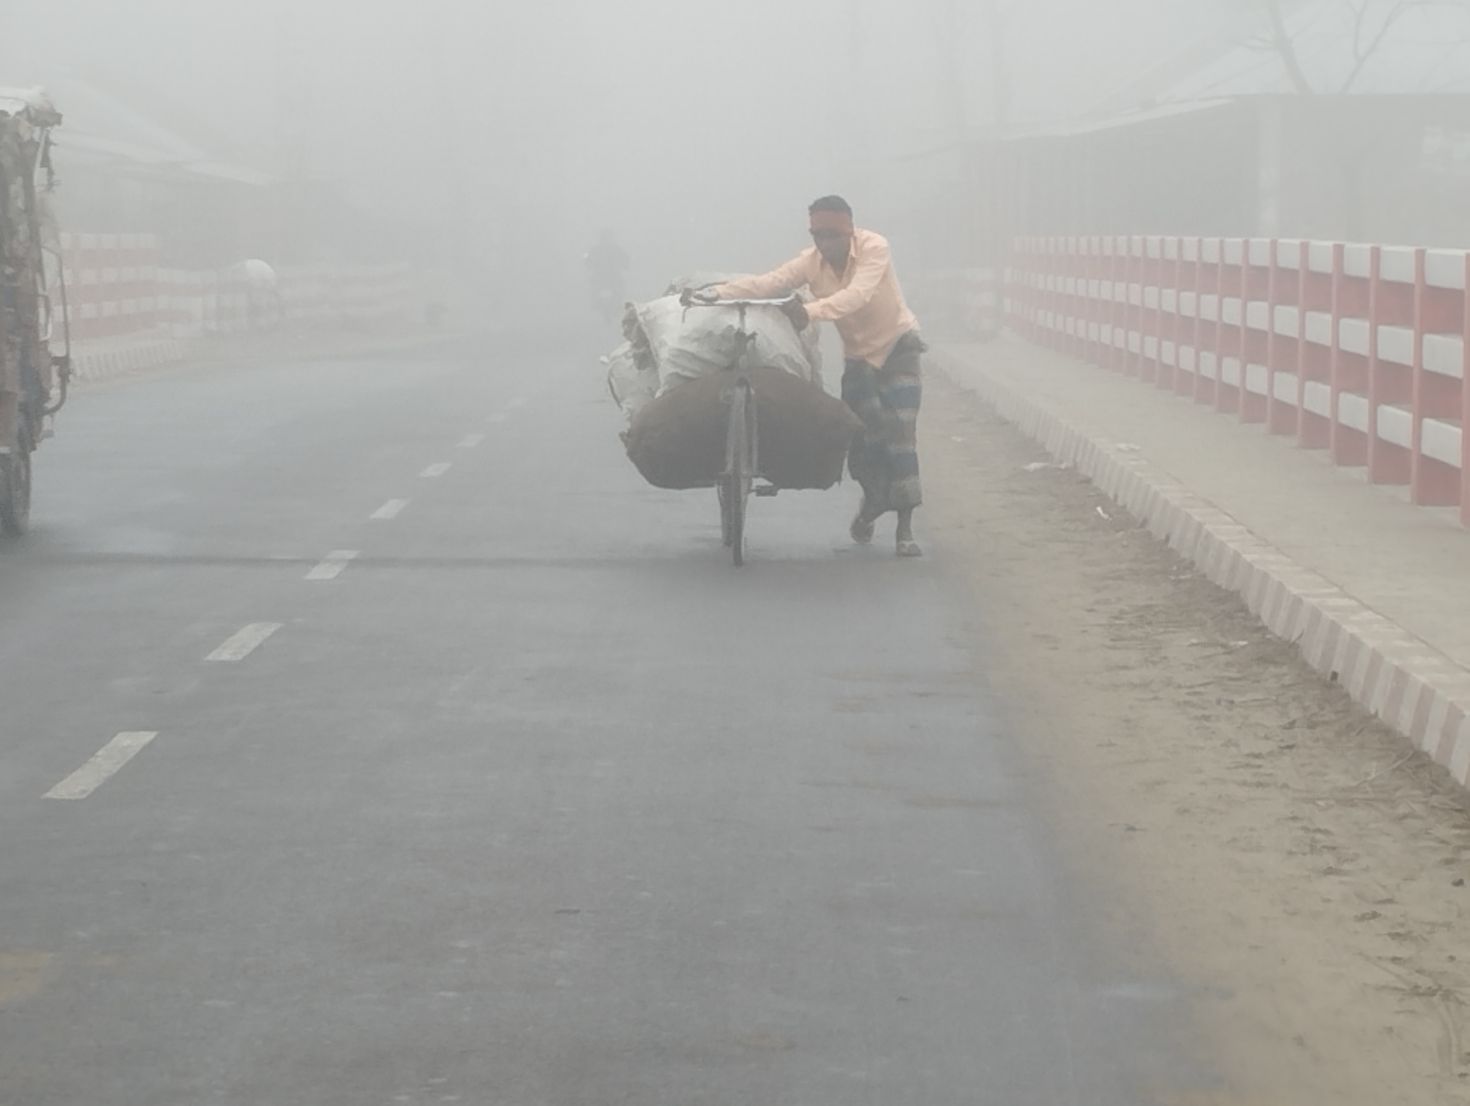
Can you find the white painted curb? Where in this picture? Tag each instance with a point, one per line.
(94, 363)
(1405, 682)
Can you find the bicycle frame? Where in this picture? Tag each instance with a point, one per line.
(742, 438)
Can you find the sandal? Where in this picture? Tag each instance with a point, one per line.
(907, 547)
(861, 528)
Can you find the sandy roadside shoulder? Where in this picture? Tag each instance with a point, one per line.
(1288, 856)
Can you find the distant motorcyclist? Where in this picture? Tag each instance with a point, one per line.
(607, 268)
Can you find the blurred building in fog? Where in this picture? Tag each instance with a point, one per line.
(1330, 130)
(131, 162)
(124, 170)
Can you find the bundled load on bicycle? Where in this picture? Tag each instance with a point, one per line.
(721, 382)
(680, 371)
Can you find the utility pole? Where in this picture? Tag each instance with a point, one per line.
(949, 38)
(954, 109)
(998, 15)
(848, 120)
(294, 111)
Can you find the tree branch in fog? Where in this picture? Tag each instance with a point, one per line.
(1364, 45)
(1286, 46)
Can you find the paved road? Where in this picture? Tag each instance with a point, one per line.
(519, 796)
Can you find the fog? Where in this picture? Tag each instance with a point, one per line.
(416, 690)
(694, 132)
(499, 139)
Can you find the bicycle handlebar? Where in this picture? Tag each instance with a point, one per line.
(689, 300)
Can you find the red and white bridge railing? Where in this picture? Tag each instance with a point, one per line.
(117, 289)
(113, 285)
(1361, 350)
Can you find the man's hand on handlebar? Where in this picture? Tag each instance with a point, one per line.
(795, 310)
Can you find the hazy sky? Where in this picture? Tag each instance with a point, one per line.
(703, 126)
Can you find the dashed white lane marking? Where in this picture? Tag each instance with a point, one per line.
(519, 401)
(392, 509)
(245, 642)
(108, 761)
(437, 470)
(470, 441)
(332, 566)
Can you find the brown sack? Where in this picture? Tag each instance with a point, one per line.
(802, 433)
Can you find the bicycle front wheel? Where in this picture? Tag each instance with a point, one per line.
(723, 488)
(739, 469)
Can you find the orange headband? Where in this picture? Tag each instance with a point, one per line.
(832, 220)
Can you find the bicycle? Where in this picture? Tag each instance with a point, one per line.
(742, 439)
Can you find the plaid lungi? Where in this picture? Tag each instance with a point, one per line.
(885, 457)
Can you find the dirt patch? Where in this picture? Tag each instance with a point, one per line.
(21, 975)
(1286, 852)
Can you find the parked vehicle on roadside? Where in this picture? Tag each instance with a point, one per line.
(35, 347)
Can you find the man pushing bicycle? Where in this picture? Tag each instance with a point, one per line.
(850, 273)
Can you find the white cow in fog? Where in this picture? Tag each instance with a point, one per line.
(258, 281)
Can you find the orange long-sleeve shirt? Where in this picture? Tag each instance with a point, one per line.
(865, 301)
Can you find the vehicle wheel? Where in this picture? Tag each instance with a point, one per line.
(739, 476)
(15, 490)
